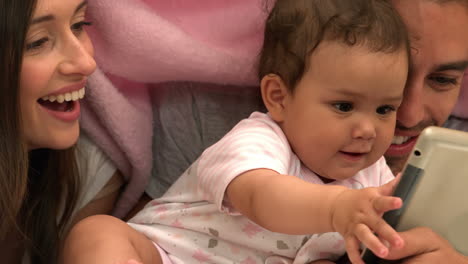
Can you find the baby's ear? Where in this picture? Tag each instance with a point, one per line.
(274, 95)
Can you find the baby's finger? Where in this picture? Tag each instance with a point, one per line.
(387, 233)
(398, 177)
(128, 262)
(367, 237)
(389, 187)
(131, 261)
(386, 203)
(321, 261)
(353, 250)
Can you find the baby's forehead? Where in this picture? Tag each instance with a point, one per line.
(356, 71)
(335, 51)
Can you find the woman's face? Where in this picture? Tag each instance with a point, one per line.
(58, 58)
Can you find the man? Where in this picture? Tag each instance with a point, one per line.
(439, 40)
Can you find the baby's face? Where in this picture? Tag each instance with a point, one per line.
(341, 117)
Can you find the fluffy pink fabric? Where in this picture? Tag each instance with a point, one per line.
(139, 42)
(152, 41)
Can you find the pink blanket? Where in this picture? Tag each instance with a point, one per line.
(151, 41)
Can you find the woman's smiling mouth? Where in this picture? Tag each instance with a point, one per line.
(65, 107)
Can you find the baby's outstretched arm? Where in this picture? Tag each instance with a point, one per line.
(107, 240)
(283, 203)
(287, 204)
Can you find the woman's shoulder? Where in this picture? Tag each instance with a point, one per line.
(94, 167)
(90, 157)
(86, 148)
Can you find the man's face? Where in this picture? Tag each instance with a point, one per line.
(439, 42)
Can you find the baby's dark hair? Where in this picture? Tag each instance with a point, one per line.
(295, 28)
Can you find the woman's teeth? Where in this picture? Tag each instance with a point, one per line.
(66, 97)
(398, 140)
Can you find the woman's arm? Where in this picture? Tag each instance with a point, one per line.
(105, 239)
(104, 201)
(102, 204)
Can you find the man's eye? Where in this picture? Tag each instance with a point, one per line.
(36, 44)
(443, 81)
(343, 107)
(385, 110)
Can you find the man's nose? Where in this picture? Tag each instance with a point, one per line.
(411, 111)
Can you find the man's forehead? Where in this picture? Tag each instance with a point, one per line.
(437, 59)
(441, 2)
(438, 34)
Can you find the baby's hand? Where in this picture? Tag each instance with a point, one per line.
(357, 215)
(131, 261)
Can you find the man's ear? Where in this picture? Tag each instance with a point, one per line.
(274, 95)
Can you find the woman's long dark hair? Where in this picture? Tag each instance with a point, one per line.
(38, 189)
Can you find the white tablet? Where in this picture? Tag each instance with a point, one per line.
(434, 188)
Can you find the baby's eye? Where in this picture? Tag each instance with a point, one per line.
(343, 106)
(385, 109)
(36, 44)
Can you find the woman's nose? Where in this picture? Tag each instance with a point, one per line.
(78, 57)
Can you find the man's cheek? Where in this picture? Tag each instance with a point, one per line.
(461, 107)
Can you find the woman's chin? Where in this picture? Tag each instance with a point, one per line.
(58, 140)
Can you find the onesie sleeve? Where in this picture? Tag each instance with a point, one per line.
(254, 143)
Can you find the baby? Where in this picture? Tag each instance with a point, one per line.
(303, 182)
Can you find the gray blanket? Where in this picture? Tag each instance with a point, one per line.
(189, 117)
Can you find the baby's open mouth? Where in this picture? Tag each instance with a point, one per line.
(354, 154)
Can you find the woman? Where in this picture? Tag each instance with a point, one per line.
(46, 184)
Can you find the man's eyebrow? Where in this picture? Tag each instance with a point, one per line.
(453, 66)
(51, 17)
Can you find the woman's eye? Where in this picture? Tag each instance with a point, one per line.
(78, 27)
(343, 107)
(385, 110)
(36, 44)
